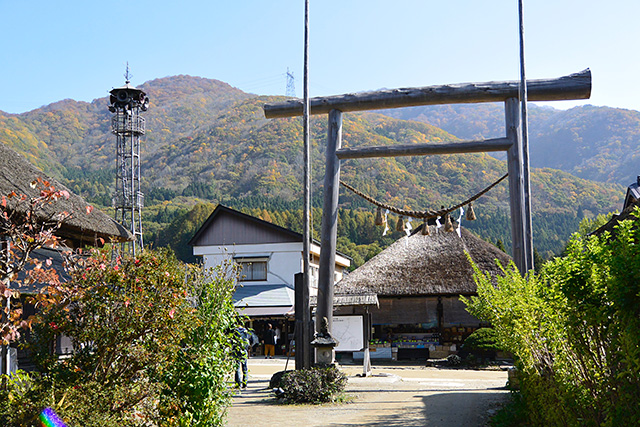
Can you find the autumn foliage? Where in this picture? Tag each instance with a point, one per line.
(26, 225)
(130, 321)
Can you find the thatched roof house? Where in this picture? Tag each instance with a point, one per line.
(82, 227)
(419, 265)
(418, 281)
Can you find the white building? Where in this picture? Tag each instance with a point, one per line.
(269, 257)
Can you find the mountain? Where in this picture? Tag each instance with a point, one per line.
(243, 155)
(208, 141)
(596, 143)
(78, 134)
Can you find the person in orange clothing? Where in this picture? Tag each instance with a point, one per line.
(269, 342)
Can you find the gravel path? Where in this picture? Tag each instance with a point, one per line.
(393, 396)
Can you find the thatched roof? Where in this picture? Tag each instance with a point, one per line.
(17, 173)
(425, 265)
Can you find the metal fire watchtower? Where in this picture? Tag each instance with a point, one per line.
(126, 103)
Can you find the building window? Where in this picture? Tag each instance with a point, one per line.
(252, 270)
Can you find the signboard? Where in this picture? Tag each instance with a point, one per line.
(348, 330)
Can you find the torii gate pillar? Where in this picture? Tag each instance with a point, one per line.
(329, 220)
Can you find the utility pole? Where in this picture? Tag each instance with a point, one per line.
(305, 339)
(528, 237)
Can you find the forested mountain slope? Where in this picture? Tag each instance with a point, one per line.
(78, 134)
(209, 142)
(596, 143)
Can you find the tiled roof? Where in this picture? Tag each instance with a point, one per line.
(263, 295)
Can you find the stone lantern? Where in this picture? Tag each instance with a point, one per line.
(324, 344)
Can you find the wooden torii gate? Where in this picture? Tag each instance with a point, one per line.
(571, 87)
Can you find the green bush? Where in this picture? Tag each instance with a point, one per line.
(148, 346)
(513, 414)
(316, 385)
(197, 393)
(483, 339)
(573, 330)
(481, 344)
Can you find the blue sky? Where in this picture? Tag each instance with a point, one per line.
(78, 49)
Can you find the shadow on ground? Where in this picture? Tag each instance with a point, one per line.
(469, 409)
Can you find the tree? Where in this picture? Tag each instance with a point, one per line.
(181, 230)
(196, 393)
(538, 260)
(149, 343)
(573, 329)
(26, 224)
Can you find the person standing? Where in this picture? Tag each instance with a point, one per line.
(269, 342)
(241, 353)
(278, 334)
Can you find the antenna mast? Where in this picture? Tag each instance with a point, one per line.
(127, 75)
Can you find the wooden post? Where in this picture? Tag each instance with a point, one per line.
(329, 220)
(6, 349)
(306, 336)
(303, 323)
(574, 86)
(366, 360)
(516, 184)
(528, 241)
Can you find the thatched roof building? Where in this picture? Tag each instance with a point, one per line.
(421, 265)
(417, 281)
(82, 227)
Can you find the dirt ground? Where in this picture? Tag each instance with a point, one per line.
(398, 395)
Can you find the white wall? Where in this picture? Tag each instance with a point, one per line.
(285, 259)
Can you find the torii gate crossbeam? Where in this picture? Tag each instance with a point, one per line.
(571, 87)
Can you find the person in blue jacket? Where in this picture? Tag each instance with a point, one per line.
(241, 346)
